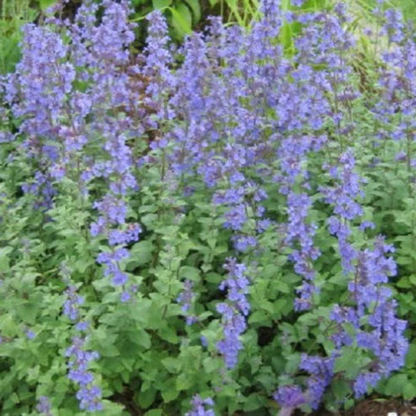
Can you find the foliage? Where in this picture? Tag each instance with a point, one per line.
(13, 15)
(184, 16)
(228, 227)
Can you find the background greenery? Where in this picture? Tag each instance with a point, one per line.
(184, 16)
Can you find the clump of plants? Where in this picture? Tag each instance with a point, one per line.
(224, 228)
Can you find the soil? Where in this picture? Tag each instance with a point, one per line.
(375, 408)
(381, 408)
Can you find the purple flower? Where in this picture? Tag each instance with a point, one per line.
(243, 243)
(204, 341)
(157, 69)
(30, 334)
(72, 303)
(125, 297)
(89, 394)
(384, 336)
(81, 326)
(186, 298)
(200, 407)
(367, 224)
(364, 381)
(289, 396)
(44, 406)
(233, 312)
(302, 233)
(343, 196)
(321, 371)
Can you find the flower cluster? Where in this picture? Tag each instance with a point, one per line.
(289, 398)
(302, 233)
(55, 113)
(343, 196)
(234, 311)
(383, 333)
(37, 92)
(72, 303)
(200, 407)
(371, 269)
(157, 71)
(186, 298)
(89, 394)
(111, 89)
(44, 406)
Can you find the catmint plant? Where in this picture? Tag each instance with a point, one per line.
(237, 216)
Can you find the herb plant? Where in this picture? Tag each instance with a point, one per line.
(220, 228)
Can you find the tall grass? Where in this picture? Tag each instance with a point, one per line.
(14, 13)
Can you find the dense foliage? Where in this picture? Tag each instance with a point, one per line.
(210, 229)
(183, 17)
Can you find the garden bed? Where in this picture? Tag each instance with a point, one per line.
(227, 228)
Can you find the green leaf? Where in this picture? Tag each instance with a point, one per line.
(173, 365)
(8, 327)
(146, 398)
(396, 384)
(253, 402)
(350, 363)
(109, 351)
(409, 391)
(161, 4)
(154, 412)
(181, 20)
(28, 312)
(141, 253)
(140, 337)
(184, 382)
(211, 365)
(168, 334)
(260, 317)
(44, 4)
(404, 283)
(169, 392)
(214, 278)
(4, 259)
(411, 356)
(341, 389)
(188, 272)
(196, 9)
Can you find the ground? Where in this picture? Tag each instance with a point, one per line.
(378, 407)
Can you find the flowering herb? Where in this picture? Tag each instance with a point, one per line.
(150, 172)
